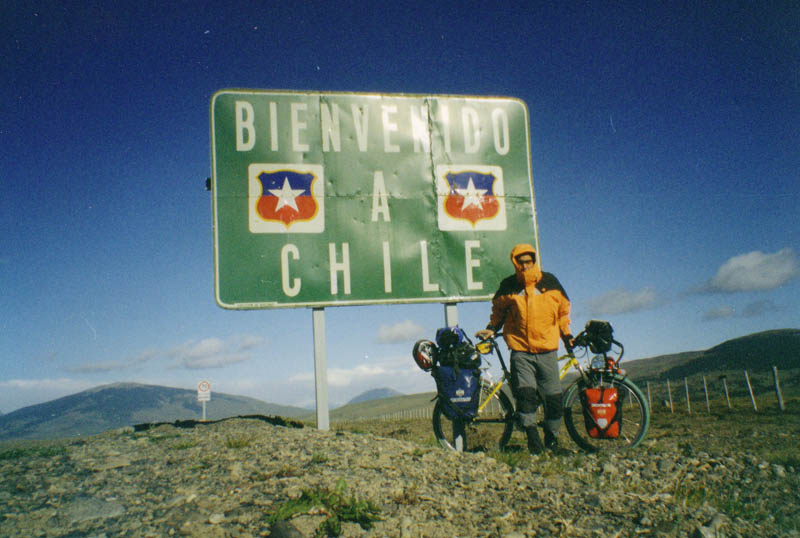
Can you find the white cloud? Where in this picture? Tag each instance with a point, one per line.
(100, 366)
(398, 373)
(722, 312)
(403, 331)
(247, 342)
(758, 308)
(114, 365)
(144, 356)
(213, 361)
(202, 349)
(191, 355)
(755, 271)
(302, 377)
(42, 384)
(343, 377)
(750, 310)
(17, 393)
(213, 352)
(620, 301)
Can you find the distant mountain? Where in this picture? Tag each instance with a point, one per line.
(374, 394)
(124, 404)
(758, 351)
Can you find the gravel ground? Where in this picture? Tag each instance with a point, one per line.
(227, 478)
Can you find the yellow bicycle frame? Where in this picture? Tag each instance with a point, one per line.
(572, 362)
(495, 390)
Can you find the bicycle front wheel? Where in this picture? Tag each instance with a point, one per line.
(490, 430)
(633, 408)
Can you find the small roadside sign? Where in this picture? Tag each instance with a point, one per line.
(204, 395)
(204, 391)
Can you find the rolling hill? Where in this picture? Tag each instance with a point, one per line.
(758, 351)
(124, 404)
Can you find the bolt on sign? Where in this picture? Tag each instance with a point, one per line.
(325, 199)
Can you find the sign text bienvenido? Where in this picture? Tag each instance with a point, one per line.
(325, 199)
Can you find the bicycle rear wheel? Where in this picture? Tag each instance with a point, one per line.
(490, 430)
(635, 413)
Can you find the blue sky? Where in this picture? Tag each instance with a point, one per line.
(665, 147)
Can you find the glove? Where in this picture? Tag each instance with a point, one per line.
(569, 342)
(484, 334)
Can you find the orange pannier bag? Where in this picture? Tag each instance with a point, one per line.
(602, 412)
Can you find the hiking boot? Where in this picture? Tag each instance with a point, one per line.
(534, 442)
(551, 444)
(550, 440)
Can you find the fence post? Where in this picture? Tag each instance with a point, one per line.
(705, 390)
(724, 379)
(669, 391)
(649, 399)
(750, 388)
(688, 402)
(778, 389)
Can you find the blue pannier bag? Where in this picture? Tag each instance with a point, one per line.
(459, 391)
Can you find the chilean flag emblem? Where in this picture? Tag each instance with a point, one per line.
(286, 198)
(471, 198)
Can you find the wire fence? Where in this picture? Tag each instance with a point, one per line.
(691, 394)
(707, 393)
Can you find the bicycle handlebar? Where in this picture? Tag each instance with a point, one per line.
(583, 340)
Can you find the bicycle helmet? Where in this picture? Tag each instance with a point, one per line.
(423, 354)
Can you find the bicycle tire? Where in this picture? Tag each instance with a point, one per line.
(491, 430)
(635, 413)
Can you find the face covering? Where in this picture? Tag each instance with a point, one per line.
(529, 277)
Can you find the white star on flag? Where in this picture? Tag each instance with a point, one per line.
(286, 195)
(472, 196)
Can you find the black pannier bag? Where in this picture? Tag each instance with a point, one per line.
(454, 348)
(599, 335)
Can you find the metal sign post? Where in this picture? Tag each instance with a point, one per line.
(330, 199)
(320, 369)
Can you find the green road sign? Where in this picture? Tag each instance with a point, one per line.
(325, 199)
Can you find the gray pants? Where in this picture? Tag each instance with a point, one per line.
(534, 379)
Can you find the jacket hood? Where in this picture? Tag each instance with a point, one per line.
(522, 248)
(531, 276)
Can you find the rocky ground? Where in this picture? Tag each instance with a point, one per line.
(228, 478)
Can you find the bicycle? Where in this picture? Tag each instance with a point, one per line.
(495, 423)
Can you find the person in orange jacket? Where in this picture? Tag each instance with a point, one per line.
(532, 308)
